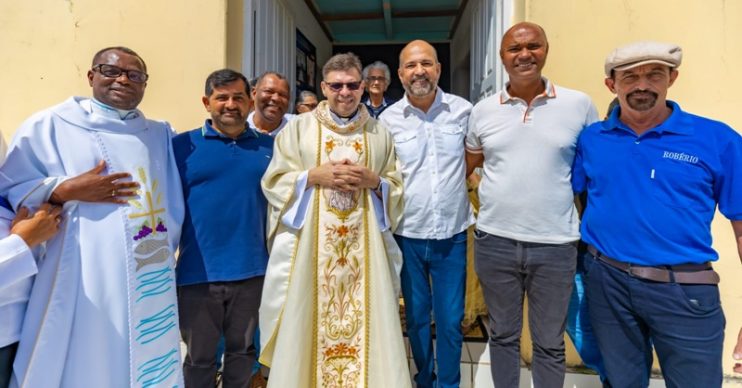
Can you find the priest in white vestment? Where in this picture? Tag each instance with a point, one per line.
(329, 314)
(102, 310)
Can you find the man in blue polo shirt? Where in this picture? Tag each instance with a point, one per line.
(223, 255)
(655, 176)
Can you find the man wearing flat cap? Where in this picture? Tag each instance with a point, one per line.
(655, 175)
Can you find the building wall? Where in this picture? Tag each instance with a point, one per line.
(582, 32)
(307, 24)
(47, 47)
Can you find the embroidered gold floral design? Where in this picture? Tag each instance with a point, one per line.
(340, 289)
(358, 146)
(341, 366)
(330, 145)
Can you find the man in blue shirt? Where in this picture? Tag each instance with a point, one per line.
(223, 254)
(655, 176)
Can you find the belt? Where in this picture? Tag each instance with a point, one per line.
(682, 274)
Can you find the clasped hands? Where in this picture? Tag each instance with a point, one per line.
(343, 175)
(92, 186)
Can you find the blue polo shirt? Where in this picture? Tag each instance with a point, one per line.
(651, 198)
(223, 236)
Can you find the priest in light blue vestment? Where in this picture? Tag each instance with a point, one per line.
(102, 310)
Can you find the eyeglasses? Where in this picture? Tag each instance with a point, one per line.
(110, 71)
(309, 105)
(372, 79)
(338, 86)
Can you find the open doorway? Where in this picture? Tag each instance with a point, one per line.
(389, 54)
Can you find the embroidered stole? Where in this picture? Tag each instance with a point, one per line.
(341, 277)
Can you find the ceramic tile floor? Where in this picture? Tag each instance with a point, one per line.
(475, 371)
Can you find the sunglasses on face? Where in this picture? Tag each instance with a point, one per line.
(338, 86)
(372, 79)
(110, 71)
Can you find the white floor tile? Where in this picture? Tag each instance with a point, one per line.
(466, 378)
(481, 376)
(480, 352)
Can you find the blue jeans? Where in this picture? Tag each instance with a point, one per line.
(509, 269)
(434, 278)
(684, 322)
(579, 328)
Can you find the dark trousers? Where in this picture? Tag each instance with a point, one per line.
(210, 310)
(509, 269)
(7, 355)
(684, 322)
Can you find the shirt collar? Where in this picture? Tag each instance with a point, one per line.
(367, 101)
(209, 131)
(251, 124)
(440, 100)
(102, 109)
(678, 122)
(342, 120)
(549, 92)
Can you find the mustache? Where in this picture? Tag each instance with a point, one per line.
(420, 78)
(636, 92)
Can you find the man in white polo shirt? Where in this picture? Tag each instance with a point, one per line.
(527, 230)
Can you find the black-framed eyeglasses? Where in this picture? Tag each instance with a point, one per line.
(111, 71)
(309, 105)
(338, 86)
(372, 79)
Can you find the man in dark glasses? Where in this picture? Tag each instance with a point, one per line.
(429, 126)
(334, 196)
(103, 309)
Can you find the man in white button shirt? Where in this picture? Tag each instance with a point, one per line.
(527, 229)
(429, 126)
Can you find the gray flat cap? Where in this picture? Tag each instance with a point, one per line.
(641, 53)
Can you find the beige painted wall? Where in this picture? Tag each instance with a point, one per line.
(582, 32)
(47, 46)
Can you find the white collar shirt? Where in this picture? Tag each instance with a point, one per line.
(430, 153)
(273, 133)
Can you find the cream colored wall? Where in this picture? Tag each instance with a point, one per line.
(46, 47)
(582, 32)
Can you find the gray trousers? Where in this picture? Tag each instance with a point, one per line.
(206, 311)
(508, 270)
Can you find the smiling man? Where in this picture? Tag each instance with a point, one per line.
(329, 313)
(271, 96)
(103, 310)
(223, 255)
(524, 136)
(428, 126)
(655, 176)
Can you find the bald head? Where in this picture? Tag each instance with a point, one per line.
(519, 29)
(417, 46)
(523, 52)
(419, 71)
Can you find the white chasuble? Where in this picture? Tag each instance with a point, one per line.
(103, 308)
(329, 312)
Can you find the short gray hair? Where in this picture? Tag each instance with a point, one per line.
(341, 62)
(304, 94)
(378, 65)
